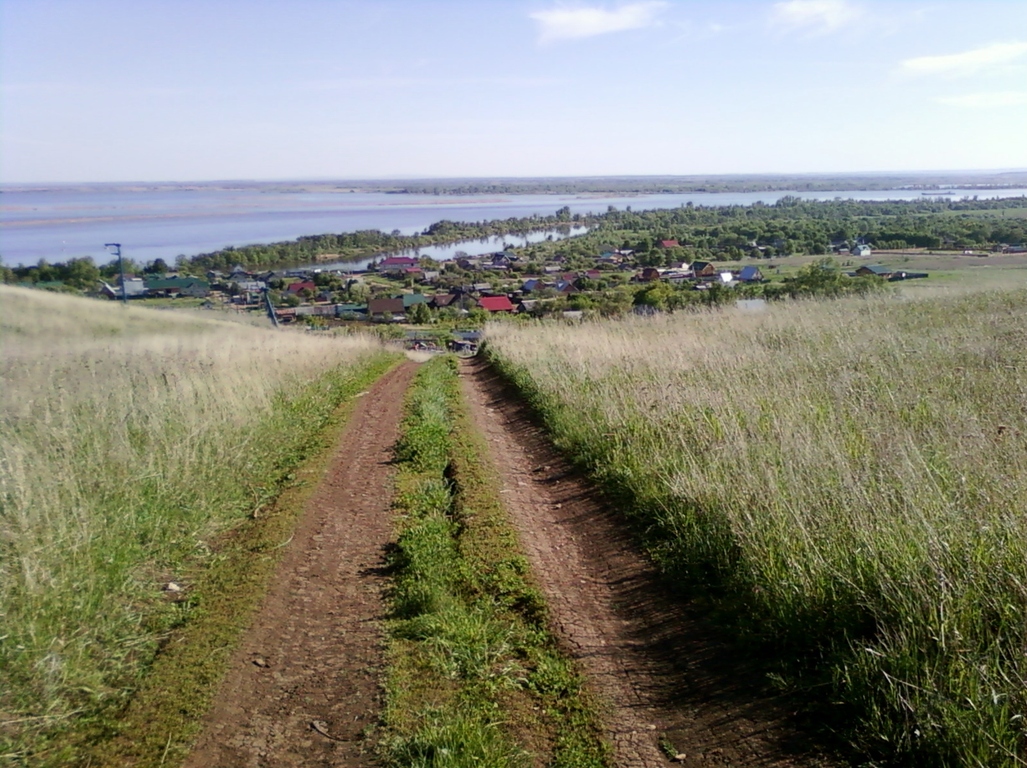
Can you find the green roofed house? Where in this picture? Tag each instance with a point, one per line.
(351, 311)
(409, 299)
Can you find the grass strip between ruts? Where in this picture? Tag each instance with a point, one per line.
(474, 676)
(165, 715)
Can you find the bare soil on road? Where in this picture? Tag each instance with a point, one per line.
(305, 682)
(665, 674)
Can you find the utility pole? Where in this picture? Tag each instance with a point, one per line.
(270, 308)
(121, 268)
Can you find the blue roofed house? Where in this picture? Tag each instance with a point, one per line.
(750, 274)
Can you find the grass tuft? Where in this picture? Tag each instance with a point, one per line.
(474, 677)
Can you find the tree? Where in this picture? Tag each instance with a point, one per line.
(156, 267)
(419, 313)
(81, 273)
(357, 292)
(654, 295)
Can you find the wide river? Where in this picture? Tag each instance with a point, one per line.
(57, 223)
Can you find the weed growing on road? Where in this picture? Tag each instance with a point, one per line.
(846, 479)
(474, 677)
(132, 439)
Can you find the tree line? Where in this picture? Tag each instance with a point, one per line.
(721, 233)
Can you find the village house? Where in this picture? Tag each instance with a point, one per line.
(528, 305)
(703, 269)
(250, 286)
(441, 300)
(382, 309)
(874, 269)
(409, 299)
(395, 265)
(496, 304)
(750, 274)
(295, 288)
(134, 288)
(170, 287)
(351, 311)
(316, 310)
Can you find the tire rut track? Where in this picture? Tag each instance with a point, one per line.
(662, 672)
(304, 683)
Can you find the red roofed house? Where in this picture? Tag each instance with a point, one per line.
(397, 263)
(668, 243)
(297, 287)
(496, 304)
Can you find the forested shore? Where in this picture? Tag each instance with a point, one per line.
(791, 226)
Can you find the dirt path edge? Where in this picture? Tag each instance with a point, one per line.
(303, 686)
(673, 688)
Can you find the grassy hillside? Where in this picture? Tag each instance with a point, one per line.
(845, 480)
(132, 438)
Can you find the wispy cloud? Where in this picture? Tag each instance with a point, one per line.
(816, 17)
(575, 22)
(967, 62)
(986, 100)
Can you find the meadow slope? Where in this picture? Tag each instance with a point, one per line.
(133, 438)
(843, 480)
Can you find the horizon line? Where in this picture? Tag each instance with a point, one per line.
(581, 177)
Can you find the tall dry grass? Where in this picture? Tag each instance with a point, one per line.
(131, 438)
(849, 478)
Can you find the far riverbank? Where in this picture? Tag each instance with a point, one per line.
(57, 223)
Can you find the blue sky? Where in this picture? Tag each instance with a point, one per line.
(131, 90)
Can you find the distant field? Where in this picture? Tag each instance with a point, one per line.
(845, 479)
(1000, 213)
(949, 268)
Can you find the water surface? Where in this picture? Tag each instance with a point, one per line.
(57, 223)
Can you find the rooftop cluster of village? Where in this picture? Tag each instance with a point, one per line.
(414, 290)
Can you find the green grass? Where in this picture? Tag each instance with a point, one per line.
(133, 441)
(474, 677)
(844, 481)
(166, 712)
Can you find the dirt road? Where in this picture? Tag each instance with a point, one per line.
(313, 654)
(663, 672)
